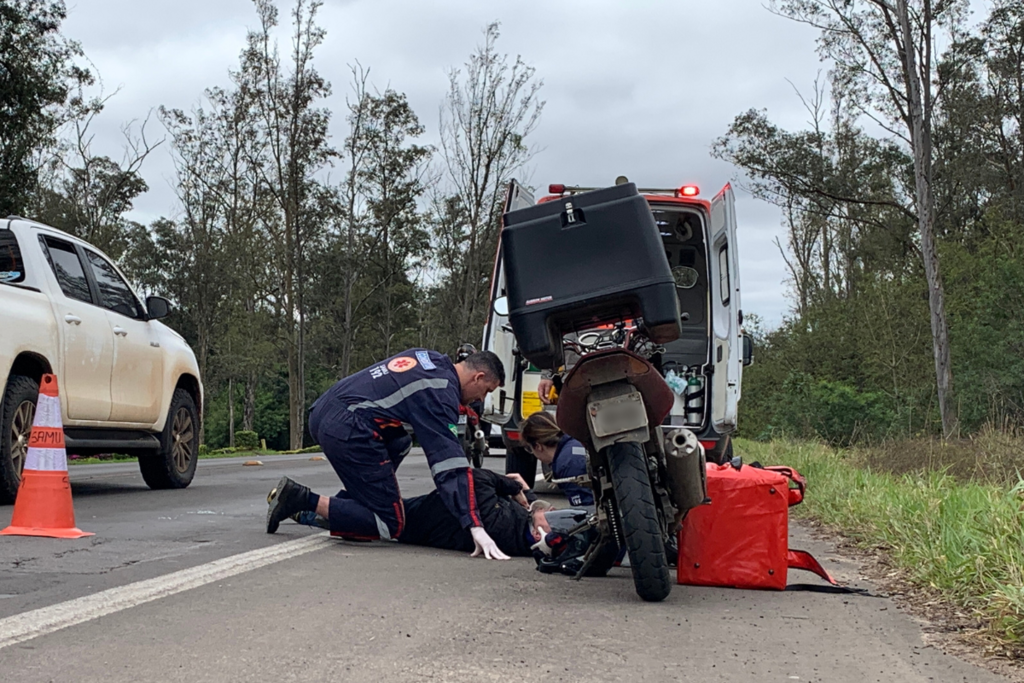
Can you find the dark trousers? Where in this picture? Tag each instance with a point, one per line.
(370, 506)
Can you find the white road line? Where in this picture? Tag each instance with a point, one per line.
(28, 625)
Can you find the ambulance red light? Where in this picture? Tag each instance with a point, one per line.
(689, 190)
(556, 188)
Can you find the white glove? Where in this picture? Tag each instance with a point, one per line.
(485, 545)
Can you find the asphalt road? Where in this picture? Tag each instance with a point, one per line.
(294, 606)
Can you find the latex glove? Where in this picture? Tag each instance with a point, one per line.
(544, 391)
(485, 545)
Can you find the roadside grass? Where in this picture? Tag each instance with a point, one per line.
(207, 455)
(960, 535)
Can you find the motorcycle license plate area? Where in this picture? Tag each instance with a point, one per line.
(618, 414)
(462, 419)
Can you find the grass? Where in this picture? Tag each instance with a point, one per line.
(960, 535)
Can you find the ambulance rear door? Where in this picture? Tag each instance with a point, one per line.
(500, 404)
(726, 316)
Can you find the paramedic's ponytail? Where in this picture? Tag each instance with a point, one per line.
(541, 428)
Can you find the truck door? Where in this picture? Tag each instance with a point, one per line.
(136, 383)
(500, 404)
(726, 349)
(87, 344)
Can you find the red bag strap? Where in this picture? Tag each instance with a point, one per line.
(799, 559)
(796, 493)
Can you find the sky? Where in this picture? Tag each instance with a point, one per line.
(639, 88)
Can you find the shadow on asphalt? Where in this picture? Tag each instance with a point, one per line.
(91, 488)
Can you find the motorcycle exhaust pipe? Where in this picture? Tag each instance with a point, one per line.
(685, 463)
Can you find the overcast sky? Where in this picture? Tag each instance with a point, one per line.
(632, 87)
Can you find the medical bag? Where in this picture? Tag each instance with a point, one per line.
(740, 538)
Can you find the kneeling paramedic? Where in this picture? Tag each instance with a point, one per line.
(359, 424)
(566, 456)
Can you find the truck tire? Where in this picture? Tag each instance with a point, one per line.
(722, 452)
(518, 461)
(639, 516)
(17, 410)
(174, 466)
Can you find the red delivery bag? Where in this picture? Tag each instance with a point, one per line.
(741, 538)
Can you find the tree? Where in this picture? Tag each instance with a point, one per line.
(884, 64)
(41, 87)
(88, 195)
(295, 133)
(489, 112)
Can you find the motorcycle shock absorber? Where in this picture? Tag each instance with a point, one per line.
(613, 522)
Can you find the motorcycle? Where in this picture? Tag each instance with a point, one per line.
(471, 435)
(645, 475)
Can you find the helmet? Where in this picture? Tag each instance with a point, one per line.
(464, 352)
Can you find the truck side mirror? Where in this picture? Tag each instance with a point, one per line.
(500, 305)
(748, 349)
(157, 307)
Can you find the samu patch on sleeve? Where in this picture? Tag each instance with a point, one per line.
(424, 358)
(455, 430)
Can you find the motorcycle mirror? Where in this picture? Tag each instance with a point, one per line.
(500, 305)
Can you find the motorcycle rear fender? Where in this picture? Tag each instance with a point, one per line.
(592, 380)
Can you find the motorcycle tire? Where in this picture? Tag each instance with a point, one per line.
(639, 516)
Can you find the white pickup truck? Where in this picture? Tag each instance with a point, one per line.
(128, 383)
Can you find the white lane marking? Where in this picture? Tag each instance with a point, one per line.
(28, 625)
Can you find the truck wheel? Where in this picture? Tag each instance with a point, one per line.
(175, 465)
(16, 414)
(721, 453)
(520, 462)
(635, 501)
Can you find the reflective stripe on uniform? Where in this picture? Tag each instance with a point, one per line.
(382, 529)
(402, 394)
(450, 464)
(579, 450)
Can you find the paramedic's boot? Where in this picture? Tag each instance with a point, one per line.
(285, 500)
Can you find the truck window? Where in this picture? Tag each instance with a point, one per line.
(68, 268)
(723, 270)
(12, 268)
(115, 294)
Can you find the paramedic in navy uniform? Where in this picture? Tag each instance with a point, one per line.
(565, 455)
(359, 424)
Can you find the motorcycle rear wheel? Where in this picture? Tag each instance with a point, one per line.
(639, 517)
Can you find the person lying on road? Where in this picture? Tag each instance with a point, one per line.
(565, 455)
(359, 424)
(510, 513)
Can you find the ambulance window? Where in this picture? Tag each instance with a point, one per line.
(723, 276)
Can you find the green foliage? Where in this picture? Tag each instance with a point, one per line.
(962, 539)
(835, 412)
(39, 81)
(860, 337)
(247, 440)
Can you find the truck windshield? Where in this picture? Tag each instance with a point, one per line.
(12, 268)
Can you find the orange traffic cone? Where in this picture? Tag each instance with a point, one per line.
(43, 506)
